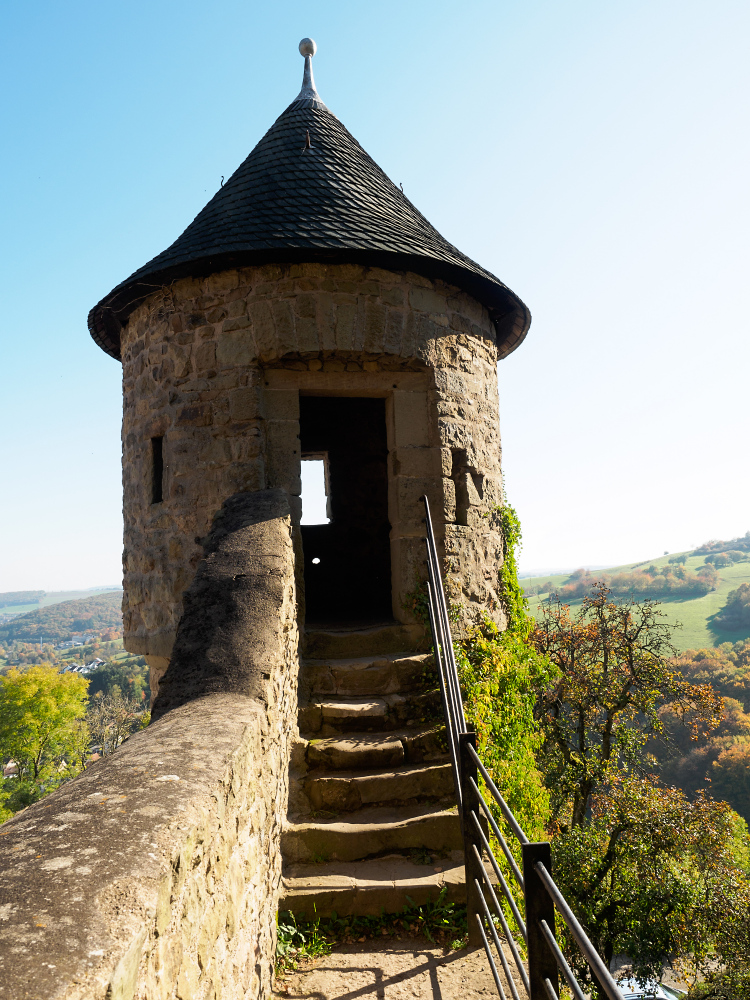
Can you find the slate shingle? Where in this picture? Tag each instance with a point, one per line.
(332, 204)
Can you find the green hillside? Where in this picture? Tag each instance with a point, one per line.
(19, 598)
(694, 612)
(46, 599)
(58, 622)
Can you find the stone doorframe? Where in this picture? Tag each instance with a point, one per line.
(414, 455)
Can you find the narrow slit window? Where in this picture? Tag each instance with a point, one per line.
(315, 508)
(157, 469)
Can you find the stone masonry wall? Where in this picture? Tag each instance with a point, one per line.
(196, 359)
(155, 874)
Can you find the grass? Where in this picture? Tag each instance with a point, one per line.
(297, 942)
(694, 613)
(439, 921)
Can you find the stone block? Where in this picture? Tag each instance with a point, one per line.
(205, 356)
(286, 340)
(182, 365)
(346, 318)
(409, 508)
(410, 419)
(393, 296)
(236, 309)
(244, 404)
(358, 339)
(195, 415)
(420, 462)
(217, 451)
(374, 332)
(394, 331)
(325, 318)
(307, 334)
(263, 328)
(235, 348)
(305, 306)
(427, 300)
(281, 404)
(216, 315)
(283, 455)
(409, 345)
(223, 281)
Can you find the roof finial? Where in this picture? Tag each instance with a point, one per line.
(308, 48)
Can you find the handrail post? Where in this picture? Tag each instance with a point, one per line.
(539, 906)
(468, 770)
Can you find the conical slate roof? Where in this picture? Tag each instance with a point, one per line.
(329, 203)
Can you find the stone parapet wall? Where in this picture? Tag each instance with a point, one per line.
(196, 360)
(155, 874)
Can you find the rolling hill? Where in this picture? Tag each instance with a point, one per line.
(696, 612)
(57, 622)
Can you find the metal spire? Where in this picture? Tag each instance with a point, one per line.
(308, 48)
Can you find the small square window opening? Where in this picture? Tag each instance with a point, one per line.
(315, 507)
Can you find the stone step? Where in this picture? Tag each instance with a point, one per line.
(369, 887)
(358, 751)
(366, 714)
(372, 831)
(374, 640)
(347, 791)
(366, 675)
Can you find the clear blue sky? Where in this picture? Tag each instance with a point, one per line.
(593, 154)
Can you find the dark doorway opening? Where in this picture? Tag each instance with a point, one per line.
(348, 560)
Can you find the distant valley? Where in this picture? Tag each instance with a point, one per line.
(693, 588)
(59, 620)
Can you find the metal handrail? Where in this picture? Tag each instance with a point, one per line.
(496, 830)
(589, 952)
(540, 892)
(509, 817)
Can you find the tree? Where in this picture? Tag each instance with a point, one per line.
(613, 676)
(130, 676)
(717, 763)
(730, 776)
(722, 984)
(649, 871)
(726, 668)
(735, 614)
(41, 728)
(655, 876)
(112, 717)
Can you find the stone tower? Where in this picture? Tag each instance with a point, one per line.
(311, 312)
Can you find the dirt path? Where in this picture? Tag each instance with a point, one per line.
(393, 970)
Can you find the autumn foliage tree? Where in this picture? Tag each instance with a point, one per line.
(650, 871)
(113, 717)
(613, 675)
(655, 876)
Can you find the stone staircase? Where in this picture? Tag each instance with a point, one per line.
(372, 818)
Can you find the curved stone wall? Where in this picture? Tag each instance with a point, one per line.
(197, 364)
(155, 874)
